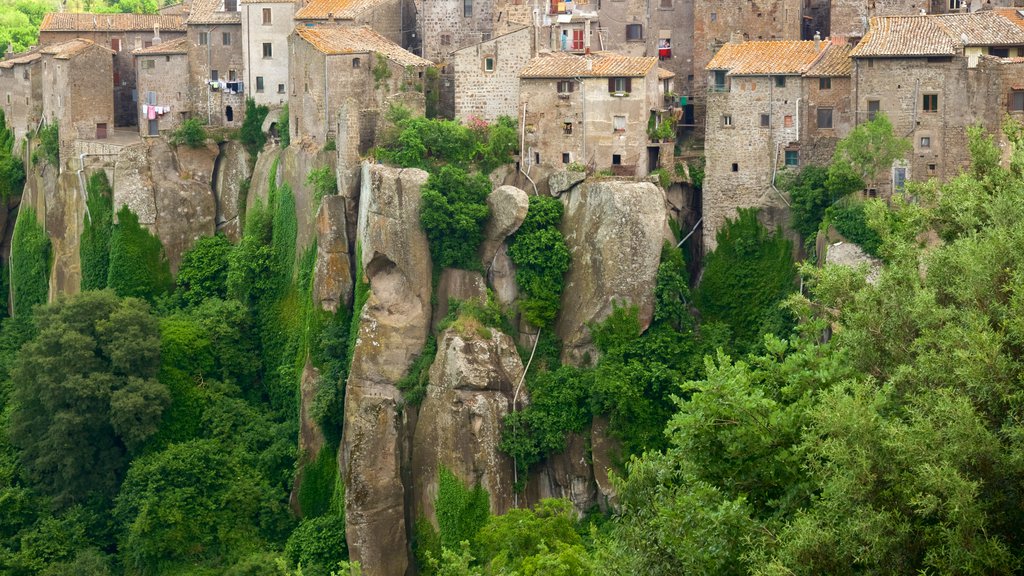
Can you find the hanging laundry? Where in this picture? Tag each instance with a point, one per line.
(145, 109)
(152, 113)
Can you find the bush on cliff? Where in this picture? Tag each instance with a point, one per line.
(138, 264)
(190, 133)
(30, 263)
(94, 247)
(452, 213)
(542, 258)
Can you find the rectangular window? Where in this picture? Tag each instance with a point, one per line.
(268, 50)
(566, 158)
(874, 106)
(954, 4)
(899, 178)
(226, 38)
(467, 8)
(232, 76)
(566, 128)
(766, 120)
(792, 158)
(1015, 101)
(666, 3)
(214, 75)
(446, 39)
(726, 120)
(926, 142)
(616, 159)
(619, 123)
(999, 52)
(619, 85)
(720, 81)
(577, 39)
(824, 83)
(735, 167)
(148, 64)
(930, 103)
(147, 44)
(566, 86)
(824, 118)
(280, 88)
(356, 63)
(231, 5)
(634, 32)
(259, 83)
(787, 121)
(267, 18)
(204, 39)
(780, 81)
(115, 44)
(489, 64)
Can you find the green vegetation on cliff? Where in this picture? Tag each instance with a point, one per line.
(541, 257)
(138, 265)
(12, 172)
(30, 263)
(94, 245)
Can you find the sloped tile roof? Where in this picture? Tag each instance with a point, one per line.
(1014, 15)
(23, 58)
(176, 46)
(268, 1)
(211, 12)
(761, 58)
(82, 22)
(905, 36)
(340, 9)
(66, 50)
(665, 74)
(597, 65)
(833, 62)
(986, 28)
(357, 40)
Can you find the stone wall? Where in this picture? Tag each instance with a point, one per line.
(212, 106)
(446, 28)
(488, 95)
(272, 71)
(164, 79)
(21, 97)
(78, 95)
(818, 144)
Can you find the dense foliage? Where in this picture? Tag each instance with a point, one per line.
(431, 143)
(541, 257)
(137, 265)
(251, 133)
(94, 245)
(189, 133)
(12, 172)
(20, 20)
(30, 263)
(453, 210)
(204, 270)
(49, 145)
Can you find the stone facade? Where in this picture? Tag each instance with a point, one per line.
(577, 117)
(122, 33)
(486, 76)
(21, 90)
(263, 22)
(78, 76)
(216, 55)
(159, 70)
(388, 18)
(449, 25)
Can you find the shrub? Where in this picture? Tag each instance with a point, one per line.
(283, 127)
(318, 545)
(12, 172)
(850, 220)
(251, 133)
(452, 213)
(204, 270)
(190, 133)
(30, 262)
(323, 182)
(541, 257)
(94, 247)
(49, 143)
(138, 264)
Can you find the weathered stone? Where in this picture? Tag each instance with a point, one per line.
(393, 328)
(294, 167)
(566, 475)
(502, 277)
(332, 274)
(472, 384)
(614, 233)
(170, 191)
(605, 451)
(849, 254)
(232, 171)
(461, 285)
(311, 437)
(259, 187)
(564, 180)
(508, 206)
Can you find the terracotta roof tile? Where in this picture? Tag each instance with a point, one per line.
(362, 39)
(833, 62)
(986, 28)
(665, 74)
(176, 46)
(268, 1)
(66, 50)
(211, 12)
(597, 65)
(81, 22)
(767, 57)
(23, 58)
(340, 9)
(1014, 15)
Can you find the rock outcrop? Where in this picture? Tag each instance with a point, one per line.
(471, 389)
(332, 273)
(508, 206)
(170, 191)
(461, 285)
(393, 328)
(230, 174)
(614, 230)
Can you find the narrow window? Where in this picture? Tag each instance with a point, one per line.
(214, 75)
(726, 120)
(787, 121)
(874, 107)
(824, 83)
(714, 16)
(259, 83)
(616, 159)
(1015, 101)
(268, 50)
(356, 63)
(720, 81)
(566, 128)
(899, 178)
(792, 158)
(467, 8)
(232, 76)
(619, 123)
(766, 120)
(115, 44)
(267, 19)
(204, 39)
(930, 103)
(634, 32)
(226, 38)
(735, 167)
(489, 64)
(824, 117)
(280, 88)
(229, 114)
(566, 158)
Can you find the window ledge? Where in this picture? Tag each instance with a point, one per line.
(619, 94)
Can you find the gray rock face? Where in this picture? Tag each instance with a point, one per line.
(332, 276)
(508, 206)
(502, 277)
(614, 230)
(461, 285)
(472, 383)
(393, 328)
(564, 180)
(232, 172)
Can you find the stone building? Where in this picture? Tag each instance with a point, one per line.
(386, 17)
(122, 33)
(850, 18)
(76, 79)
(486, 76)
(160, 70)
(21, 88)
(342, 80)
(759, 113)
(216, 64)
(593, 110)
(935, 76)
(449, 25)
(267, 22)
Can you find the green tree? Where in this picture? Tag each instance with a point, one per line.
(85, 394)
(190, 133)
(12, 170)
(204, 270)
(541, 257)
(94, 246)
(453, 210)
(867, 151)
(523, 541)
(251, 134)
(30, 263)
(138, 264)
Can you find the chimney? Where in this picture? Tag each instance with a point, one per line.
(156, 33)
(817, 41)
(586, 36)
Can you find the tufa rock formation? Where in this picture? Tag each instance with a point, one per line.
(508, 206)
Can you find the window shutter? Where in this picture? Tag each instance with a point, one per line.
(629, 84)
(611, 84)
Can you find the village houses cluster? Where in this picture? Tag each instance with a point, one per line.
(608, 85)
